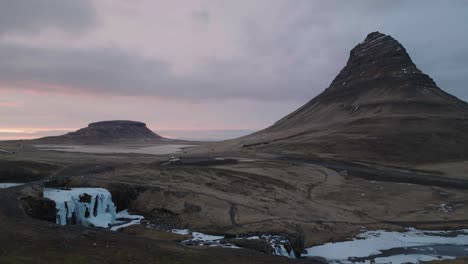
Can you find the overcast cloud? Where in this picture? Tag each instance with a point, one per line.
(271, 53)
(31, 16)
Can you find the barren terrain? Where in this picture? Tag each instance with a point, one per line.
(310, 201)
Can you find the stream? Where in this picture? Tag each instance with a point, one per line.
(94, 207)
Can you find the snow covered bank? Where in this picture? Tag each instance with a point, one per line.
(5, 185)
(88, 207)
(6, 152)
(277, 243)
(125, 219)
(412, 246)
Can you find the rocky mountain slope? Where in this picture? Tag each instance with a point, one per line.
(105, 131)
(380, 107)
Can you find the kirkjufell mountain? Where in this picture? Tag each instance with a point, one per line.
(105, 132)
(380, 107)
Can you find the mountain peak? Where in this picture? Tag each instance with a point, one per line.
(377, 44)
(379, 57)
(374, 35)
(380, 107)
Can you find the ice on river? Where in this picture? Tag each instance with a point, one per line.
(373, 245)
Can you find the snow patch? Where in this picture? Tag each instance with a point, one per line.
(180, 231)
(402, 258)
(172, 160)
(6, 151)
(205, 237)
(372, 243)
(124, 219)
(278, 243)
(5, 185)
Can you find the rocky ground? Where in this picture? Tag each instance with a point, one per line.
(309, 201)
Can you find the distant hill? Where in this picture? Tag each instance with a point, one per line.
(105, 132)
(380, 107)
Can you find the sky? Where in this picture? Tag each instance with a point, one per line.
(201, 68)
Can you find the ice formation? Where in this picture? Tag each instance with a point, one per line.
(370, 246)
(83, 206)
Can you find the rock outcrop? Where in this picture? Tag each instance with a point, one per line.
(380, 107)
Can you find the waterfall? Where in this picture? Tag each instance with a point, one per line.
(83, 206)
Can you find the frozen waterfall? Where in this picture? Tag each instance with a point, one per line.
(83, 206)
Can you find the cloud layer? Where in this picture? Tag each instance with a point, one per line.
(33, 16)
(276, 54)
(263, 50)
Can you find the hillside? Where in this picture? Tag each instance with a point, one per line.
(380, 107)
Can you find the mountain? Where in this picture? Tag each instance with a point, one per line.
(380, 107)
(105, 132)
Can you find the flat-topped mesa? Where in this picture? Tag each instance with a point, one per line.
(380, 57)
(116, 129)
(106, 131)
(116, 124)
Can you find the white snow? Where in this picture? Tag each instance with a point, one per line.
(5, 185)
(407, 259)
(181, 231)
(124, 219)
(202, 239)
(171, 160)
(205, 237)
(277, 242)
(372, 242)
(6, 151)
(444, 208)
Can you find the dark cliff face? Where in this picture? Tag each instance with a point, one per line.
(106, 131)
(380, 106)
